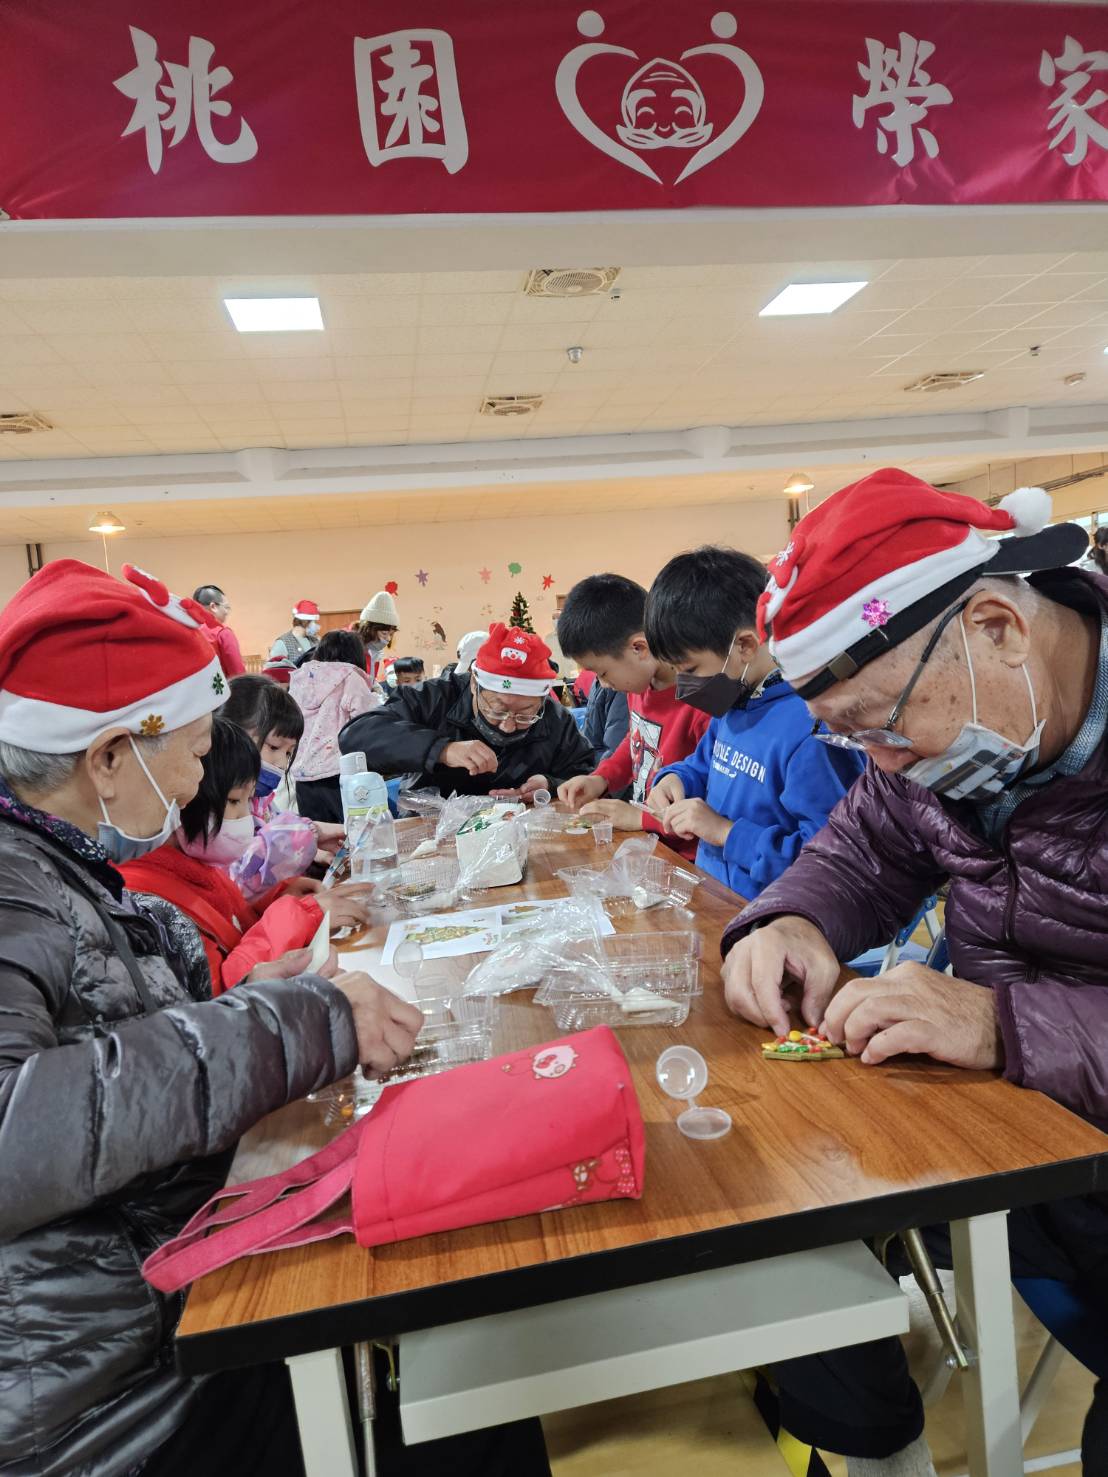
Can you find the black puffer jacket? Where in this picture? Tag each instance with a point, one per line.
(410, 732)
(115, 1124)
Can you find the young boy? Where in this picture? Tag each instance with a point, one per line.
(407, 671)
(759, 784)
(601, 627)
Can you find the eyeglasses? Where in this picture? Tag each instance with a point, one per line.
(887, 738)
(498, 715)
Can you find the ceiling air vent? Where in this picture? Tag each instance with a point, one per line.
(505, 405)
(22, 423)
(569, 281)
(951, 379)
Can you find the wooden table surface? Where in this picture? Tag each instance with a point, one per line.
(819, 1154)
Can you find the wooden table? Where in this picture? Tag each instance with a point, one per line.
(819, 1155)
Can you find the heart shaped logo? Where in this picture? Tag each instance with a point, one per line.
(663, 105)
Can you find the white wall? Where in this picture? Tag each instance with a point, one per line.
(340, 569)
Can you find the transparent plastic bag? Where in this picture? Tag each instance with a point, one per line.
(535, 949)
(455, 812)
(492, 846)
(424, 803)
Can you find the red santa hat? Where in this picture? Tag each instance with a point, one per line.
(877, 561)
(305, 610)
(515, 662)
(82, 652)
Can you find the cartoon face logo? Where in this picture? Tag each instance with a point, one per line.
(554, 1061)
(663, 108)
(511, 654)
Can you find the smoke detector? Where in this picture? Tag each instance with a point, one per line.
(569, 281)
(950, 379)
(22, 423)
(509, 405)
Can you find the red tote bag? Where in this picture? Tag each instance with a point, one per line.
(541, 1129)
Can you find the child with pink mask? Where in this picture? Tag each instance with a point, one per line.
(193, 872)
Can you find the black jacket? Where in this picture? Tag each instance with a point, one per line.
(410, 732)
(115, 1125)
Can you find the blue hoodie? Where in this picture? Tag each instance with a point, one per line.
(760, 767)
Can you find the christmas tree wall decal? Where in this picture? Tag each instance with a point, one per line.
(521, 615)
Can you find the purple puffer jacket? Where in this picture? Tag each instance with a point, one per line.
(1027, 916)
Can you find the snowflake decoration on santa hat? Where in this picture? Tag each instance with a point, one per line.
(876, 612)
(218, 685)
(520, 641)
(152, 725)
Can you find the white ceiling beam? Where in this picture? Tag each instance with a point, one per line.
(285, 246)
(262, 472)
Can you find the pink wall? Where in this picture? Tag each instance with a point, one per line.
(341, 568)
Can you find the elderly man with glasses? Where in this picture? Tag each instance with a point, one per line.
(981, 700)
(491, 730)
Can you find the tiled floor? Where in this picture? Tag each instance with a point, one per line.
(710, 1428)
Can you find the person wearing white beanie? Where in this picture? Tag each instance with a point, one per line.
(377, 625)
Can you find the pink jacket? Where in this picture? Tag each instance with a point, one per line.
(329, 695)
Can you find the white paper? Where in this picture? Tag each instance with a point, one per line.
(481, 929)
(320, 946)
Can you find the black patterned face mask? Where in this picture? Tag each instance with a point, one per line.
(495, 736)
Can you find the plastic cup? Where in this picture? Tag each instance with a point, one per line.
(682, 1073)
(602, 833)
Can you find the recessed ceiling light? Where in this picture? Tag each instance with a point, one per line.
(274, 314)
(811, 297)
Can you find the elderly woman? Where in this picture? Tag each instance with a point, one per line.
(123, 1085)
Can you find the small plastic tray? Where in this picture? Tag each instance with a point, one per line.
(457, 1029)
(413, 833)
(662, 965)
(429, 885)
(663, 879)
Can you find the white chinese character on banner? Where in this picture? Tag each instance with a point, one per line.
(1069, 116)
(189, 96)
(401, 116)
(898, 81)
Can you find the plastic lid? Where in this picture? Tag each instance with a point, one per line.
(352, 764)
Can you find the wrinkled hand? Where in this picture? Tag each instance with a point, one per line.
(329, 836)
(689, 818)
(386, 1026)
(525, 792)
(288, 966)
(623, 815)
(471, 755)
(785, 955)
(581, 789)
(665, 793)
(916, 1009)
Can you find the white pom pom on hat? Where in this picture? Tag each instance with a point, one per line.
(1030, 508)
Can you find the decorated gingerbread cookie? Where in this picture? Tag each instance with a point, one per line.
(800, 1046)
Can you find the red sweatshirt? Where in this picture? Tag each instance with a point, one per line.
(227, 649)
(236, 934)
(662, 731)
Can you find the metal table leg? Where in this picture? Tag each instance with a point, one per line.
(983, 1286)
(323, 1414)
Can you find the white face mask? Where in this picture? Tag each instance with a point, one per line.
(227, 845)
(980, 762)
(377, 647)
(313, 628)
(123, 848)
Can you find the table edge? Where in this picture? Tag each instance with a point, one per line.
(264, 1341)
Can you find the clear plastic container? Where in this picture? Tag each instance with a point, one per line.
(457, 1029)
(426, 885)
(648, 979)
(659, 882)
(597, 882)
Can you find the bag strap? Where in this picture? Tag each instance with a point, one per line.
(266, 1214)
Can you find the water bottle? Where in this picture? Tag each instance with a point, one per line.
(370, 832)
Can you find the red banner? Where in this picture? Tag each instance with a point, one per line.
(117, 108)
